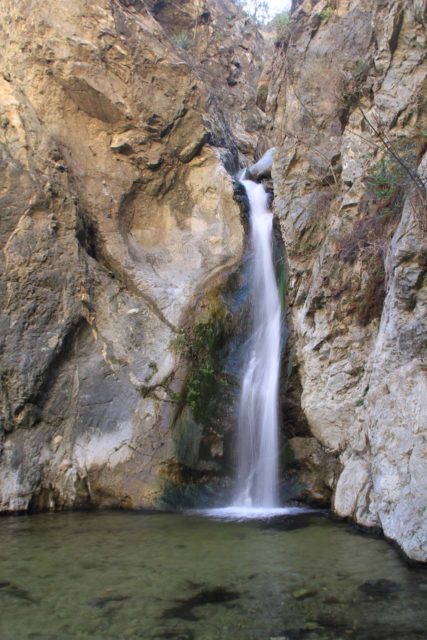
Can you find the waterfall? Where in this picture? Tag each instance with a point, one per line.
(257, 438)
(256, 487)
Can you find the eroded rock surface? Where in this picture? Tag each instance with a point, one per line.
(118, 121)
(117, 217)
(349, 84)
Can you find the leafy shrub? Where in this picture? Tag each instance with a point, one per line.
(359, 70)
(389, 179)
(385, 179)
(183, 40)
(326, 14)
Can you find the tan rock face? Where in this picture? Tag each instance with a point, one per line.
(117, 216)
(348, 86)
(227, 53)
(118, 221)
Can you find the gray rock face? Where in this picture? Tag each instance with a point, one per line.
(347, 86)
(118, 222)
(396, 404)
(117, 218)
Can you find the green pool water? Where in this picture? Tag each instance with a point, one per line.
(188, 577)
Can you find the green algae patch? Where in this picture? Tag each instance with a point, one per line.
(201, 346)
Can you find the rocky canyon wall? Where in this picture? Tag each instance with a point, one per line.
(120, 124)
(348, 97)
(117, 218)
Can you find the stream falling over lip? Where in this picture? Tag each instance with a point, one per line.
(121, 575)
(257, 436)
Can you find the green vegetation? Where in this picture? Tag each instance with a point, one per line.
(388, 179)
(359, 70)
(326, 14)
(154, 369)
(183, 40)
(385, 179)
(288, 456)
(201, 346)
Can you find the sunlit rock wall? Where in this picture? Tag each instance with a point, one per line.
(117, 216)
(348, 91)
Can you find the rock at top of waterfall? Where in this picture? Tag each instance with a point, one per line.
(262, 168)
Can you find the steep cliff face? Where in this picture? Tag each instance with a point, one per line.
(348, 100)
(119, 230)
(117, 217)
(227, 52)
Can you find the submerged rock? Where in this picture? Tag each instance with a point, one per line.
(382, 588)
(14, 591)
(303, 594)
(184, 609)
(103, 601)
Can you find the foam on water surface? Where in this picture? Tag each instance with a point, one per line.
(237, 513)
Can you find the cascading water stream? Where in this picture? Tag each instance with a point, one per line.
(257, 439)
(256, 487)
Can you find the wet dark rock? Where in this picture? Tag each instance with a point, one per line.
(303, 594)
(241, 198)
(332, 600)
(383, 632)
(286, 523)
(175, 635)
(331, 621)
(382, 588)
(10, 589)
(185, 606)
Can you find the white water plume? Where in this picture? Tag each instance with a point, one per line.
(257, 439)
